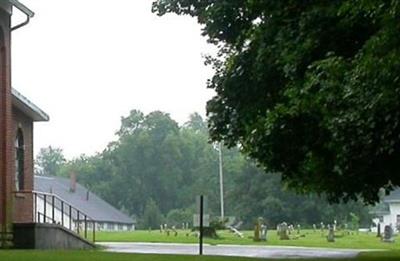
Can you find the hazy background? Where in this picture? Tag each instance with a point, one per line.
(87, 63)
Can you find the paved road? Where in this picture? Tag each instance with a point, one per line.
(278, 252)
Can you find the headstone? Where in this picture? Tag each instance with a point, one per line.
(283, 231)
(263, 235)
(314, 228)
(256, 232)
(334, 225)
(291, 229)
(388, 234)
(331, 234)
(298, 228)
(174, 230)
(161, 228)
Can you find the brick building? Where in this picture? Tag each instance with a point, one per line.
(17, 115)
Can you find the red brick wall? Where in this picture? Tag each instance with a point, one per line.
(6, 131)
(23, 202)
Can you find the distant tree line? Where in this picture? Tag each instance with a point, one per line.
(156, 168)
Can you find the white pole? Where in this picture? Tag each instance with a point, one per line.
(221, 181)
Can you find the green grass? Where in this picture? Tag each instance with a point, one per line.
(310, 239)
(12, 255)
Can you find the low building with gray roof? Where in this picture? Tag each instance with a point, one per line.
(105, 216)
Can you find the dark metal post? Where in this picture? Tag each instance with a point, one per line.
(52, 209)
(45, 203)
(85, 226)
(62, 213)
(94, 231)
(201, 226)
(34, 213)
(78, 222)
(70, 217)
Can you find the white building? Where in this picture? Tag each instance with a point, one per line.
(387, 213)
(73, 206)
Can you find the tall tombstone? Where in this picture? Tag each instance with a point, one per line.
(263, 233)
(283, 231)
(331, 233)
(388, 234)
(257, 231)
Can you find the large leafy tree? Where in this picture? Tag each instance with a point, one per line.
(309, 89)
(49, 161)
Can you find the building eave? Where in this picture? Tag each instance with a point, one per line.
(26, 106)
(22, 8)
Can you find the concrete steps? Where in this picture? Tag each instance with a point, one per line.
(47, 236)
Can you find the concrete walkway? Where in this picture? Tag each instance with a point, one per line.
(276, 252)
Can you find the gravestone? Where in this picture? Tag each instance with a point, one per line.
(314, 227)
(174, 230)
(283, 231)
(291, 229)
(263, 234)
(388, 234)
(298, 228)
(331, 234)
(257, 232)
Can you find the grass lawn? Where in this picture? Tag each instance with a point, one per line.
(12, 255)
(308, 239)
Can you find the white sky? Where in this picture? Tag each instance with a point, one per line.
(88, 62)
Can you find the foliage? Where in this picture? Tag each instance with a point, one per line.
(48, 161)
(176, 217)
(155, 158)
(152, 217)
(310, 89)
(355, 221)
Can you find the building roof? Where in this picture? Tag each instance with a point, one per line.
(27, 107)
(380, 209)
(393, 197)
(95, 207)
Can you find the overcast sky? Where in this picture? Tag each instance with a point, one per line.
(86, 63)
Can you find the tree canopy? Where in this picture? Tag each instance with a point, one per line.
(156, 168)
(49, 160)
(309, 89)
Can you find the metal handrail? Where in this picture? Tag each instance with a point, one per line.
(50, 198)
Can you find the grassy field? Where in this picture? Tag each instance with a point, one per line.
(8, 255)
(307, 238)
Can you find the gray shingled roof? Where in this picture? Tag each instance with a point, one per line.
(96, 208)
(380, 209)
(394, 196)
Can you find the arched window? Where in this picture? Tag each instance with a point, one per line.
(19, 161)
